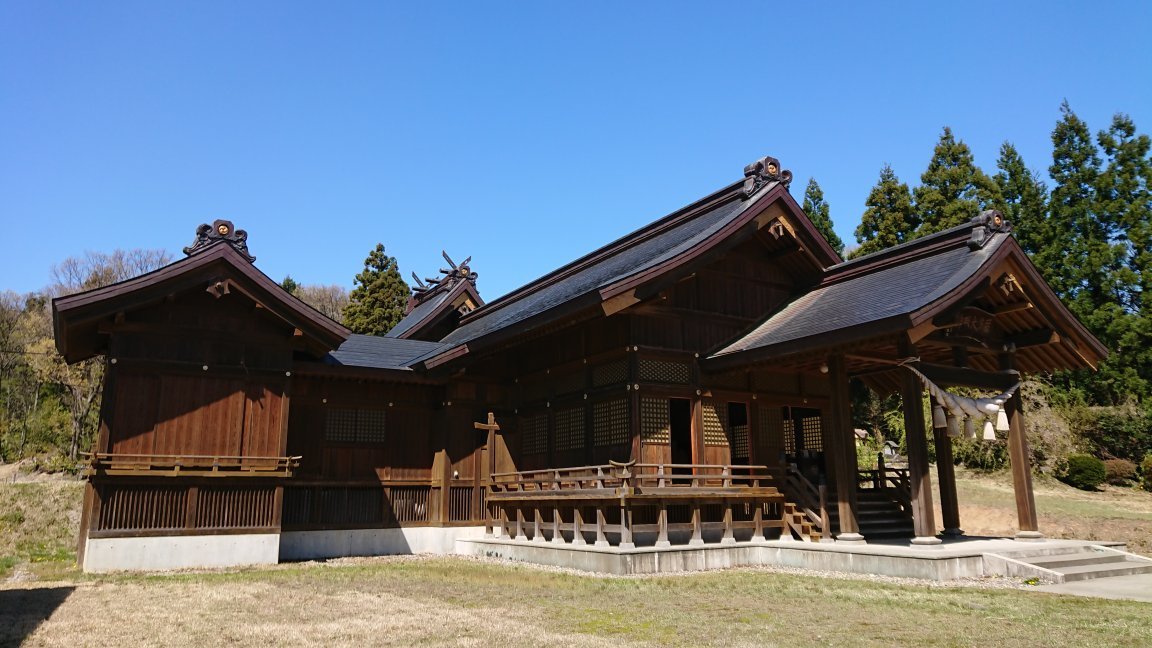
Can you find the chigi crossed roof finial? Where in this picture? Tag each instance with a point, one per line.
(220, 230)
(448, 277)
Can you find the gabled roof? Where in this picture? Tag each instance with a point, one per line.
(619, 274)
(76, 317)
(901, 288)
(376, 352)
(434, 309)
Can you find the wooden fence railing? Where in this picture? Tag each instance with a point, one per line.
(388, 504)
(627, 501)
(156, 465)
(129, 510)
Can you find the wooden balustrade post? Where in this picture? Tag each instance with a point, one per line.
(881, 471)
(697, 527)
(660, 476)
(577, 526)
(520, 524)
(557, 536)
(601, 538)
(758, 523)
(537, 525)
(662, 525)
(626, 541)
(728, 537)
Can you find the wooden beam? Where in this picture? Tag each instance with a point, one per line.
(618, 303)
(1014, 307)
(1021, 464)
(843, 441)
(965, 377)
(915, 437)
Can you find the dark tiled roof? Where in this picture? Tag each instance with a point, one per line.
(626, 257)
(379, 352)
(892, 289)
(417, 314)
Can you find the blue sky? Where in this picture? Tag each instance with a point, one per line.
(522, 134)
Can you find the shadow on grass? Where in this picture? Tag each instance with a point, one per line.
(23, 610)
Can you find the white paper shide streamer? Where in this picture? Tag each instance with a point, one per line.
(951, 409)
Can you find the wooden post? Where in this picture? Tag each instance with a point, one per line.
(662, 524)
(1018, 454)
(626, 541)
(758, 523)
(601, 539)
(946, 473)
(520, 524)
(697, 531)
(843, 465)
(915, 436)
(537, 525)
(557, 536)
(577, 526)
(728, 537)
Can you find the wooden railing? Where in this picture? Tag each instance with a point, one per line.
(154, 465)
(811, 500)
(388, 504)
(129, 510)
(895, 482)
(657, 502)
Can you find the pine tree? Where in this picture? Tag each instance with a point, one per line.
(378, 300)
(817, 211)
(888, 218)
(1124, 196)
(953, 189)
(1023, 197)
(289, 284)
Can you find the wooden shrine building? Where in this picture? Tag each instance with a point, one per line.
(687, 383)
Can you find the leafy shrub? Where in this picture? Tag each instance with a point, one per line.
(1084, 472)
(1146, 471)
(1119, 472)
(978, 454)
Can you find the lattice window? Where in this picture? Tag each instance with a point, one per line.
(570, 383)
(354, 426)
(610, 374)
(810, 430)
(655, 420)
(661, 371)
(569, 429)
(739, 441)
(610, 422)
(771, 426)
(715, 423)
(534, 434)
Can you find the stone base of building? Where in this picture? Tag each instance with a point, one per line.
(160, 553)
(318, 545)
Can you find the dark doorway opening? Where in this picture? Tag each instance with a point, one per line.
(680, 429)
(738, 432)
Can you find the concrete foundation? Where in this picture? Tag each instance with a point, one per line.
(316, 545)
(950, 561)
(158, 553)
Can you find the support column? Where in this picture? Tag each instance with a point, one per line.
(946, 474)
(923, 517)
(1021, 463)
(842, 454)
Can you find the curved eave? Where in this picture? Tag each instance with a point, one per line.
(76, 315)
(447, 306)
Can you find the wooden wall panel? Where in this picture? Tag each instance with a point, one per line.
(134, 413)
(199, 416)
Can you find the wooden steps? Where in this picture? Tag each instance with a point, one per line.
(878, 515)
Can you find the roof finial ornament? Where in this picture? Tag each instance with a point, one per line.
(220, 230)
(989, 222)
(761, 172)
(448, 277)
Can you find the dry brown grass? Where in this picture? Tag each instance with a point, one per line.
(451, 601)
(988, 507)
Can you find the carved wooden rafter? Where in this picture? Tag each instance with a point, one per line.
(449, 277)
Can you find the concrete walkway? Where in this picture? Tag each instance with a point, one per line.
(1132, 588)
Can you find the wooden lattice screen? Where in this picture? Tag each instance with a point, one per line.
(655, 420)
(610, 422)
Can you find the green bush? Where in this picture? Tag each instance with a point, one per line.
(1146, 471)
(1084, 472)
(1119, 472)
(978, 454)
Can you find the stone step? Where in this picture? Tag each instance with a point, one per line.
(1057, 563)
(1086, 572)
